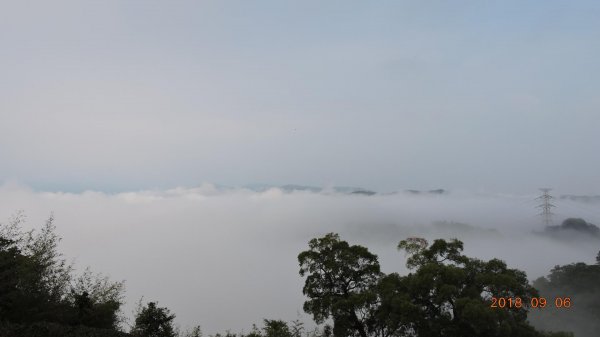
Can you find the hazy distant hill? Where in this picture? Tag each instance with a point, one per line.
(581, 198)
(575, 225)
(313, 189)
(337, 189)
(438, 191)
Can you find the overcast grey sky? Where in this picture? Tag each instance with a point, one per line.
(120, 95)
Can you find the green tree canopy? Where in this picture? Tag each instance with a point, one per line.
(340, 279)
(38, 285)
(445, 294)
(448, 294)
(581, 283)
(153, 321)
(97, 300)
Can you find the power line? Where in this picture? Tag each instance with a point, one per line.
(546, 205)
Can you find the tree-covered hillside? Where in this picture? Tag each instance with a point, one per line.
(581, 283)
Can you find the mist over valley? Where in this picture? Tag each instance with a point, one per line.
(226, 258)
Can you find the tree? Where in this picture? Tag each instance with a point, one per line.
(37, 271)
(395, 311)
(153, 321)
(276, 328)
(339, 283)
(297, 328)
(38, 290)
(11, 262)
(54, 272)
(448, 294)
(445, 294)
(194, 332)
(579, 282)
(598, 258)
(97, 300)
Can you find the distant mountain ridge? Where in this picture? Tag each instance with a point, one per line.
(437, 191)
(337, 189)
(307, 188)
(581, 198)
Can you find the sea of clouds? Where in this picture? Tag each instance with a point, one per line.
(225, 258)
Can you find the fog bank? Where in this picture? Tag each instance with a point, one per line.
(226, 258)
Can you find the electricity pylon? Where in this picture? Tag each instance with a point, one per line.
(546, 205)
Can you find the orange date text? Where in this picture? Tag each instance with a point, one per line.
(534, 302)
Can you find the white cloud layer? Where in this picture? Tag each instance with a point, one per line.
(226, 258)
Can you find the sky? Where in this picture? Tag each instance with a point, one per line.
(125, 119)
(129, 95)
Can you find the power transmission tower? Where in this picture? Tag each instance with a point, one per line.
(546, 205)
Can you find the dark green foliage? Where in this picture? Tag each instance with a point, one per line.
(579, 224)
(395, 311)
(194, 332)
(11, 265)
(576, 225)
(447, 294)
(154, 321)
(91, 313)
(576, 277)
(45, 329)
(35, 278)
(229, 334)
(276, 328)
(96, 300)
(580, 282)
(38, 291)
(279, 328)
(339, 283)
